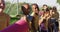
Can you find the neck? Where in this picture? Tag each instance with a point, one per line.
(1, 12)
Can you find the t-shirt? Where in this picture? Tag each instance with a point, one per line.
(55, 15)
(42, 26)
(4, 20)
(19, 26)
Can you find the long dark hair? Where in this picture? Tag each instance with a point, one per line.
(23, 8)
(36, 6)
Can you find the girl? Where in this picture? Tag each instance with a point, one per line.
(21, 25)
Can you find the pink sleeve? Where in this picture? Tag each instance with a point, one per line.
(19, 26)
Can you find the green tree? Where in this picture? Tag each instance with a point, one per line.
(58, 1)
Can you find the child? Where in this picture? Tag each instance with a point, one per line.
(4, 18)
(21, 25)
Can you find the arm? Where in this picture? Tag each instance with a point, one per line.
(8, 20)
(41, 19)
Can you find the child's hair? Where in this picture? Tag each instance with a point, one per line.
(54, 9)
(23, 8)
(47, 9)
(50, 8)
(44, 5)
(36, 6)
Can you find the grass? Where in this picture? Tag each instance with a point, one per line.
(13, 20)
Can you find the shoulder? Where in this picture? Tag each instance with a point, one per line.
(6, 15)
(22, 20)
(32, 14)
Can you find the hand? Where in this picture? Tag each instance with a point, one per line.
(53, 12)
(48, 17)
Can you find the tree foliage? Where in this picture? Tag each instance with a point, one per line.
(58, 1)
(11, 9)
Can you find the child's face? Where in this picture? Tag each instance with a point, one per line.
(0, 1)
(44, 7)
(34, 8)
(46, 14)
(1, 6)
(50, 10)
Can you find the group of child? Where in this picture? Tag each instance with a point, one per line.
(44, 20)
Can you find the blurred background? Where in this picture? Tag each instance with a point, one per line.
(13, 7)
